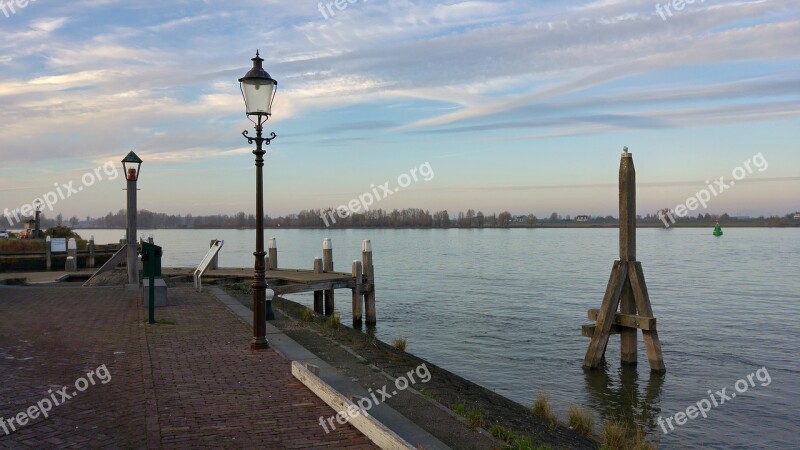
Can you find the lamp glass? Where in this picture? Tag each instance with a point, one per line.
(258, 95)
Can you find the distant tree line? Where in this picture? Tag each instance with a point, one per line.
(397, 218)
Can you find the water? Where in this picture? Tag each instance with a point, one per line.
(503, 308)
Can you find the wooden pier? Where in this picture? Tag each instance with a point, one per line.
(321, 279)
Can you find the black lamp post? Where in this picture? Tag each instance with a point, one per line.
(37, 206)
(131, 166)
(258, 90)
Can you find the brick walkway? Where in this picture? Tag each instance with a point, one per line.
(193, 384)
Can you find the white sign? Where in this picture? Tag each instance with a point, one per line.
(58, 245)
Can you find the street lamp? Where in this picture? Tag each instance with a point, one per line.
(131, 166)
(258, 90)
(37, 206)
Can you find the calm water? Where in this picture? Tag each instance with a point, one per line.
(504, 308)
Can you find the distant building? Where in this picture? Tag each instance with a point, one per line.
(581, 218)
(797, 216)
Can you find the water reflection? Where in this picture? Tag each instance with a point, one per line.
(631, 395)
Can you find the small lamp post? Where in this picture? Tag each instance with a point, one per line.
(131, 166)
(37, 206)
(258, 90)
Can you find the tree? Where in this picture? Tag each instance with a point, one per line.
(479, 219)
(554, 217)
(73, 221)
(59, 219)
(504, 218)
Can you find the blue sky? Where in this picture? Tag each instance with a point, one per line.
(516, 105)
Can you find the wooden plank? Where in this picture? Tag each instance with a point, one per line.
(651, 341)
(597, 346)
(587, 329)
(309, 287)
(627, 320)
(377, 432)
(628, 335)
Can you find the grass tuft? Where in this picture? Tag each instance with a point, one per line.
(400, 343)
(165, 321)
(543, 409)
(308, 315)
(460, 408)
(581, 420)
(618, 436)
(474, 418)
(615, 434)
(334, 321)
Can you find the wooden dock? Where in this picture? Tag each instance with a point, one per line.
(322, 280)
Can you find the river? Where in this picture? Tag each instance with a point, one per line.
(504, 309)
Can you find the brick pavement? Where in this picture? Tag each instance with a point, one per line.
(189, 385)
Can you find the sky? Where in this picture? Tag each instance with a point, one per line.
(514, 105)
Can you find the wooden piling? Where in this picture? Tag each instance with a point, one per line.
(626, 290)
(627, 251)
(318, 294)
(48, 252)
(90, 259)
(357, 303)
(272, 255)
(369, 288)
(327, 266)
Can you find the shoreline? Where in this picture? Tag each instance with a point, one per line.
(355, 353)
(723, 224)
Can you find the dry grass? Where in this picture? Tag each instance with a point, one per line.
(543, 409)
(334, 321)
(581, 420)
(400, 343)
(308, 315)
(618, 436)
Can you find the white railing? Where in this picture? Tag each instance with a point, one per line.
(207, 260)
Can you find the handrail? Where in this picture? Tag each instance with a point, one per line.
(201, 269)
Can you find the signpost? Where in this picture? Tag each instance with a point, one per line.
(151, 261)
(58, 245)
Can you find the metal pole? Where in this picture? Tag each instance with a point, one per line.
(151, 304)
(259, 276)
(133, 266)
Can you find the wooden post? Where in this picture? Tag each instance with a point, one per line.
(327, 266)
(369, 288)
(72, 255)
(318, 294)
(651, 342)
(48, 251)
(273, 255)
(90, 260)
(627, 250)
(214, 264)
(357, 304)
(626, 290)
